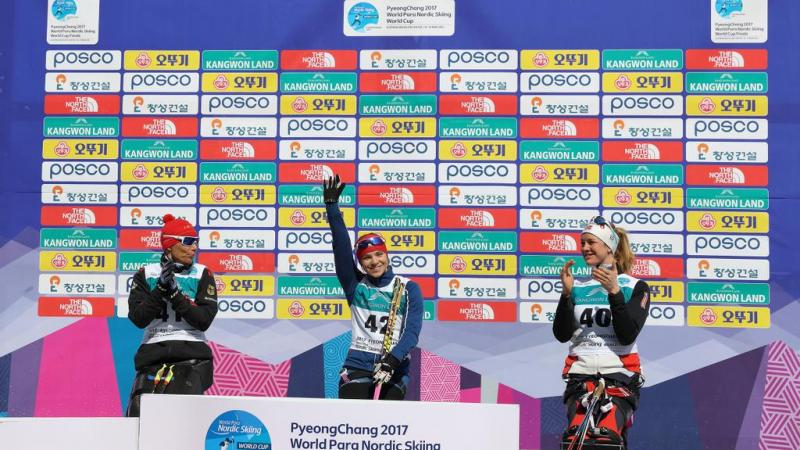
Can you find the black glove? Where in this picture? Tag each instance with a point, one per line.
(331, 189)
(385, 369)
(166, 281)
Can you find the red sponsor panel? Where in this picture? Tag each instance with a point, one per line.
(315, 172)
(634, 151)
(319, 59)
(159, 127)
(427, 285)
(476, 311)
(139, 239)
(560, 127)
(81, 104)
(484, 105)
(397, 81)
(726, 59)
(76, 306)
(238, 149)
(469, 218)
(79, 216)
(714, 175)
(238, 261)
(391, 195)
(657, 268)
(549, 242)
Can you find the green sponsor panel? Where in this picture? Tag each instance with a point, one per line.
(642, 174)
(559, 151)
(636, 60)
(397, 105)
(93, 127)
(740, 293)
(343, 82)
(311, 195)
(133, 261)
(429, 311)
(733, 198)
(240, 60)
(475, 241)
(295, 286)
(550, 266)
(151, 149)
(78, 238)
(236, 173)
(726, 83)
(478, 128)
(396, 218)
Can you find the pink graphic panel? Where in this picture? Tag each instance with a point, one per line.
(780, 416)
(237, 374)
(440, 379)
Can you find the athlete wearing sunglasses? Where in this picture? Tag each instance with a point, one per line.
(175, 301)
(601, 317)
(368, 294)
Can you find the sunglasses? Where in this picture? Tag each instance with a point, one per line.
(185, 240)
(372, 240)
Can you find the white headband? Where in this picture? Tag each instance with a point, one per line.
(604, 232)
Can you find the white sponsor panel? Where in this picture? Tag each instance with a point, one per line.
(93, 82)
(322, 127)
(537, 312)
(399, 18)
(306, 263)
(477, 195)
(478, 82)
(397, 59)
(642, 105)
(727, 245)
(496, 59)
(477, 173)
(122, 306)
(98, 171)
(154, 105)
(739, 22)
(645, 220)
(727, 269)
(245, 240)
(72, 23)
(91, 194)
(397, 150)
(407, 173)
(83, 60)
(237, 216)
(656, 244)
(661, 314)
(245, 308)
(555, 219)
(575, 196)
(307, 240)
(150, 216)
(158, 194)
(413, 263)
(727, 128)
(242, 105)
(559, 105)
(716, 152)
(161, 82)
(317, 149)
(573, 82)
(239, 127)
(540, 288)
(76, 284)
(477, 288)
(638, 128)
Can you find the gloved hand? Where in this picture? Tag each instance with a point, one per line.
(166, 281)
(331, 189)
(385, 369)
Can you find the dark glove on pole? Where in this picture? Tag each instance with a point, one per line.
(331, 189)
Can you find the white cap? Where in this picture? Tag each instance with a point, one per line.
(601, 228)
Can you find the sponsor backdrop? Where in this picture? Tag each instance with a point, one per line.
(479, 148)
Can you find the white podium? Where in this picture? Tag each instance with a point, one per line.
(69, 433)
(253, 423)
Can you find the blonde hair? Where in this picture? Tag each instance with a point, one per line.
(624, 255)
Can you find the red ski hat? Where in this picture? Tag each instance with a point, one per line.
(369, 242)
(175, 227)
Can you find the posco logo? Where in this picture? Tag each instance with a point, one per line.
(61, 58)
(724, 245)
(464, 59)
(409, 148)
(147, 194)
(469, 172)
(78, 170)
(160, 80)
(295, 126)
(559, 80)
